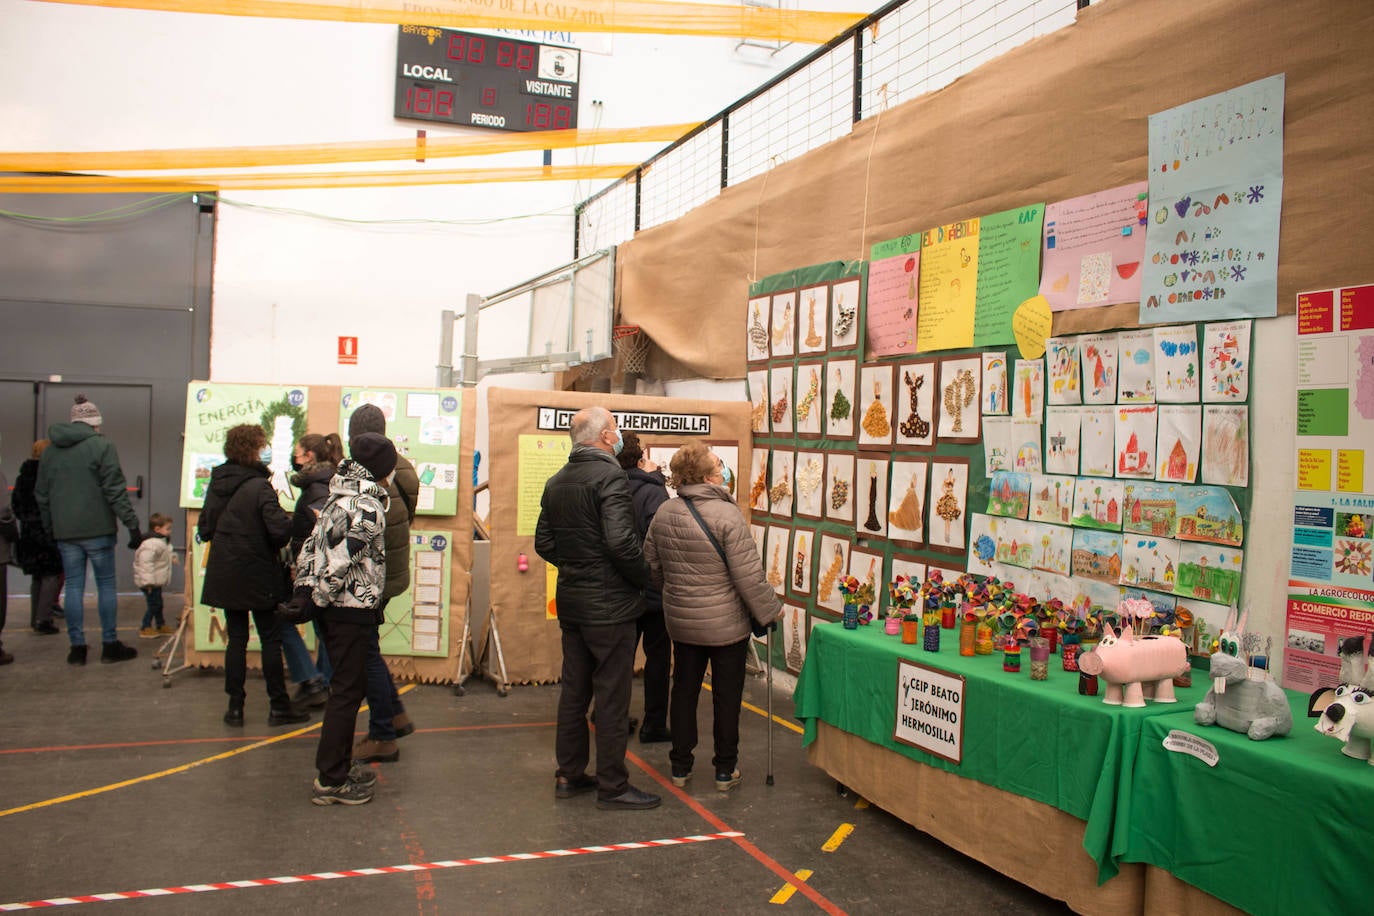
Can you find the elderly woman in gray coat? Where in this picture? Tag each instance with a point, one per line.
(715, 593)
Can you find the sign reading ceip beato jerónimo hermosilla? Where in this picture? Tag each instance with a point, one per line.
(682, 424)
(930, 710)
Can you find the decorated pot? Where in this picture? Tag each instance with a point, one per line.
(911, 629)
(851, 616)
(1011, 656)
(966, 637)
(932, 638)
(892, 626)
(982, 640)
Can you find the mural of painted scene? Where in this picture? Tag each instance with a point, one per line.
(1097, 504)
(1209, 573)
(1209, 514)
(1009, 494)
(1097, 555)
(1151, 508)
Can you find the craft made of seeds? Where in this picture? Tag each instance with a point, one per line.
(914, 426)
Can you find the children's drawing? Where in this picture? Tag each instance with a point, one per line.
(1051, 548)
(1028, 390)
(799, 569)
(1176, 364)
(814, 319)
(839, 487)
(1149, 562)
(906, 503)
(949, 512)
(759, 534)
(756, 336)
(916, 408)
(1097, 354)
(959, 404)
(1097, 441)
(844, 314)
(840, 378)
(984, 534)
(1135, 441)
(780, 488)
(783, 328)
(995, 387)
(1097, 503)
(1093, 596)
(1009, 494)
(1135, 367)
(758, 481)
(1016, 545)
(1061, 439)
(1151, 508)
(1209, 514)
(1061, 360)
(758, 400)
(996, 445)
(810, 485)
(810, 399)
(776, 563)
(875, 401)
(1226, 358)
(1096, 555)
(780, 407)
(871, 517)
(1180, 440)
(1209, 573)
(1226, 444)
(1027, 458)
(1051, 499)
(795, 633)
(831, 562)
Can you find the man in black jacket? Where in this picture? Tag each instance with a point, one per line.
(587, 529)
(648, 491)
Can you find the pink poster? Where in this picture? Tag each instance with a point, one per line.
(893, 282)
(1093, 247)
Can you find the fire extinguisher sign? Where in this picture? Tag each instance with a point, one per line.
(348, 351)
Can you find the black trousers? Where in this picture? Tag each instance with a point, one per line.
(346, 644)
(597, 661)
(727, 691)
(43, 592)
(658, 662)
(236, 657)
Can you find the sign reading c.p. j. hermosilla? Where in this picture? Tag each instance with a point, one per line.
(680, 424)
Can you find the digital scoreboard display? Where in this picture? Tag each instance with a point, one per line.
(472, 80)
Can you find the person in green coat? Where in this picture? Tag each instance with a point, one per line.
(81, 494)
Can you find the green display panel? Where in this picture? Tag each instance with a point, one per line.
(213, 408)
(424, 423)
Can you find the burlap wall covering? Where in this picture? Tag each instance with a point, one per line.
(1064, 115)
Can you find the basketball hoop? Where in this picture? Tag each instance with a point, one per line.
(631, 347)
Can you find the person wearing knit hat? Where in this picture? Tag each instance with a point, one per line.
(387, 717)
(374, 452)
(81, 494)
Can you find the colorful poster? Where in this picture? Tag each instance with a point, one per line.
(212, 408)
(1151, 508)
(1097, 555)
(1097, 503)
(890, 317)
(1216, 186)
(1209, 573)
(947, 286)
(417, 619)
(1209, 514)
(1009, 494)
(540, 456)
(1093, 248)
(1008, 270)
(424, 424)
(1098, 352)
(1226, 351)
(1135, 372)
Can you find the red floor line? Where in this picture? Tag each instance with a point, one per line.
(243, 739)
(766, 860)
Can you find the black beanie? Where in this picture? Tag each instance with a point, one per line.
(367, 419)
(375, 453)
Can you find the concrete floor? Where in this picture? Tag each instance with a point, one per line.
(475, 780)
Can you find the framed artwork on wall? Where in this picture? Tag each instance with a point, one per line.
(875, 406)
(948, 504)
(839, 487)
(840, 384)
(918, 408)
(810, 399)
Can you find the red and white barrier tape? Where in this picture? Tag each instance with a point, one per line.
(362, 872)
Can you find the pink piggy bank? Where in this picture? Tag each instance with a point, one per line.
(1128, 663)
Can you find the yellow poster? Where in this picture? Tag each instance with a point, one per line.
(541, 456)
(948, 286)
(550, 591)
(1314, 469)
(1031, 323)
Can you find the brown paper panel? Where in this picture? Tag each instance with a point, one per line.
(1064, 115)
(532, 644)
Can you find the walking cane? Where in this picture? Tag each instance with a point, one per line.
(769, 679)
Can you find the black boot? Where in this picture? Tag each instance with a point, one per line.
(287, 716)
(234, 715)
(76, 655)
(313, 692)
(116, 651)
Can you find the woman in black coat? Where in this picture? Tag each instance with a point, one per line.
(36, 551)
(246, 529)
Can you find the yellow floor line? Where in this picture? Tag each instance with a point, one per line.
(785, 892)
(841, 834)
(62, 799)
(783, 722)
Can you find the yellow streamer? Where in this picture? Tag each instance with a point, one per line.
(626, 16)
(279, 181)
(247, 157)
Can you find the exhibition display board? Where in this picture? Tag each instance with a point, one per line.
(420, 636)
(527, 432)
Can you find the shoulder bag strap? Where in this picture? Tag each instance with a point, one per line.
(707, 531)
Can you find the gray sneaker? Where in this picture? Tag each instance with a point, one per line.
(727, 781)
(363, 775)
(350, 793)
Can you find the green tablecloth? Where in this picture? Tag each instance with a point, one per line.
(1278, 826)
(1039, 739)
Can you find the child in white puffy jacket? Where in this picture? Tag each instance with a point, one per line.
(152, 571)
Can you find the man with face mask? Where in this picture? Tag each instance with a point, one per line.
(587, 530)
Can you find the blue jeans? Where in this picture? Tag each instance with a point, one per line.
(100, 551)
(383, 702)
(298, 661)
(153, 594)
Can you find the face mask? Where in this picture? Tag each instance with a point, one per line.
(728, 476)
(265, 455)
(297, 466)
(619, 444)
